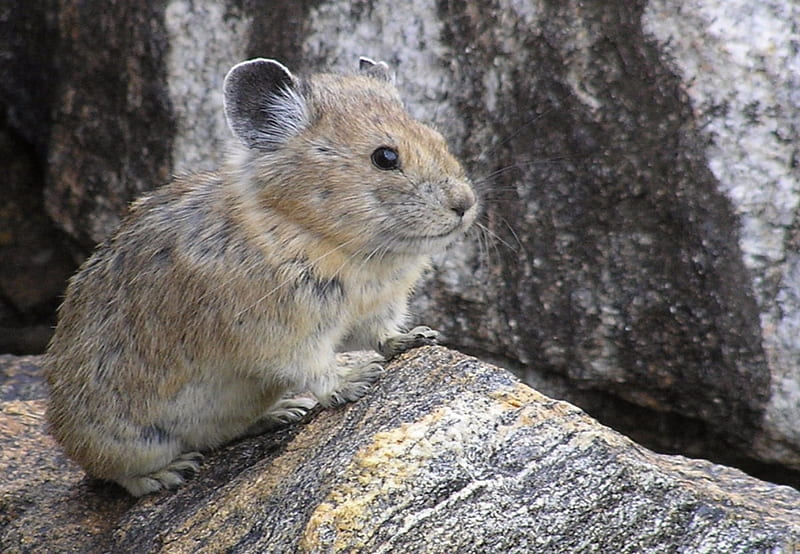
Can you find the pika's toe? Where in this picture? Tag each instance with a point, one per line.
(171, 476)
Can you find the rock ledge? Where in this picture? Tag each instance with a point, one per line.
(447, 454)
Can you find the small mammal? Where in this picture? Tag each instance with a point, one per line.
(223, 291)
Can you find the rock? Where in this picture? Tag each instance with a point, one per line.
(21, 378)
(446, 454)
(746, 106)
(28, 75)
(638, 162)
(36, 258)
(625, 251)
(97, 162)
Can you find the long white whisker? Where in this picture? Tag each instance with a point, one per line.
(289, 279)
(513, 233)
(520, 166)
(498, 238)
(488, 152)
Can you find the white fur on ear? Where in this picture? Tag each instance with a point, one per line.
(377, 70)
(262, 104)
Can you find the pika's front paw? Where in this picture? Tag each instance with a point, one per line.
(283, 412)
(289, 410)
(416, 337)
(170, 476)
(356, 384)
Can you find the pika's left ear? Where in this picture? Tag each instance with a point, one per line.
(376, 70)
(263, 104)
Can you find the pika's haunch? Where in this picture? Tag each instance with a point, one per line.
(223, 291)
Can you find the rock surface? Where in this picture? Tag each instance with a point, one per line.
(638, 162)
(446, 454)
(36, 258)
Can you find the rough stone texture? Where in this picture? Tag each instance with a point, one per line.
(638, 162)
(28, 75)
(21, 378)
(446, 454)
(748, 105)
(35, 257)
(629, 269)
(113, 122)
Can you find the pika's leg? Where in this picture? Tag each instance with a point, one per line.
(346, 384)
(171, 476)
(418, 336)
(283, 412)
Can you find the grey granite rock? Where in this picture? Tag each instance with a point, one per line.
(446, 454)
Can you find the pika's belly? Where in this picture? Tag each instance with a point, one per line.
(208, 414)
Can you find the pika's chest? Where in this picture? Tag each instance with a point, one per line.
(354, 297)
(348, 295)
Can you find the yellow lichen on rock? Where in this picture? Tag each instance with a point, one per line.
(378, 469)
(378, 483)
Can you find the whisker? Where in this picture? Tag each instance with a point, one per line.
(514, 234)
(497, 238)
(485, 245)
(358, 253)
(530, 121)
(290, 279)
(524, 164)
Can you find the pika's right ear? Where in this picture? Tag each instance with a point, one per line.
(262, 104)
(377, 70)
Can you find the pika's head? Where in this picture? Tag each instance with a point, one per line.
(340, 156)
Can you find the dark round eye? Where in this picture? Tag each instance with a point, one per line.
(386, 158)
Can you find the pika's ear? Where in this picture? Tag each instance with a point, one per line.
(378, 70)
(262, 104)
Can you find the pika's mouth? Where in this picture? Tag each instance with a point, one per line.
(429, 235)
(446, 235)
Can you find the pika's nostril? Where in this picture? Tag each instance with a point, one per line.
(463, 202)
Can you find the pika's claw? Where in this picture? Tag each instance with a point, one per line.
(416, 337)
(289, 410)
(282, 413)
(171, 476)
(357, 385)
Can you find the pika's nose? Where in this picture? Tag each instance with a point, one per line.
(462, 199)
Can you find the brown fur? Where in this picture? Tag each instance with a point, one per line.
(222, 291)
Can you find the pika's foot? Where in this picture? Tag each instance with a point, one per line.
(418, 336)
(357, 382)
(169, 477)
(283, 412)
(289, 410)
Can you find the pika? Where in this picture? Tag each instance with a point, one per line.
(221, 292)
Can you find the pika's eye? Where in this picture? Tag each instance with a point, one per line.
(386, 158)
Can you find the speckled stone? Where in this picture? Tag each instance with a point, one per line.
(446, 454)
